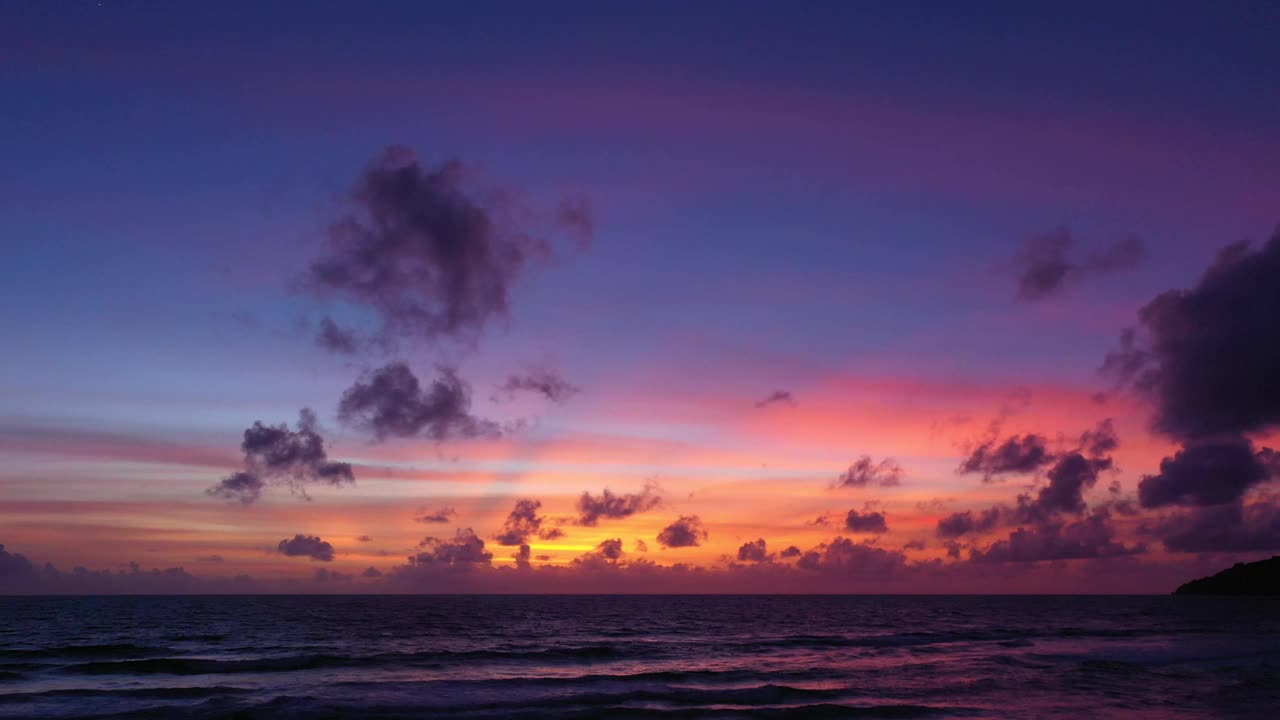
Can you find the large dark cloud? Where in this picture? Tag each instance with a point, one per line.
(523, 523)
(1207, 356)
(843, 556)
(306, 546)
(1017, 455)
(276, 454)
(464, 550)
(1232, 527)
(429, 255)
(1045, 265)
(864, 472)
(547, 383)
(870, 522)
(1211, 471)
(686, 531)
(591, 508)
(755, 551)
(390, 402)
(1089, 538)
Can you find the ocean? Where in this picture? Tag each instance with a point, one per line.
(638, 657)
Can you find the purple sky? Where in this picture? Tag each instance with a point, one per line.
(839, 201)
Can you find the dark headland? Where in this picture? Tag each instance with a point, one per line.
(1255, 578)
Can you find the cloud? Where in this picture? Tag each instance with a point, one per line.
(547, 383)
(777, 397)
(521, 557)
(641, 546)
(1089, 538)
(1070, 476)
(276, 454)
(1232, 527)
(334, 338)
(523, 523)
(429, 255)
(1211, 471)
(364, 538)
(843, 556)
(686, 531)
(325, 575)
(915, 545)
(1044, 264)
(791, 551)
(1017, 455)
(864, 473)
(309, 546)
(209, 559)
(463, 550)
(962, 523)
(607, 553)
(610, 506)
(755, 552)
(390, 402)
(371, 572)
(872, 522)
(440, 515)
(1207, 356)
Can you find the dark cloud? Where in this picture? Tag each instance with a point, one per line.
(1069, 477)
(1207, 356)
(524, 522)
(1044, 264)
(1088, 538)
(865, 473)
(521, 557)
(1211, 471)
(777, 397)
(606, 555)
(276, 454)
(961, 523)
(1101, 441)
(371, 572)
(686, 531)
(791, 551)
(334, 338)
(755, 552)
(463, 550)
(642, 546)
(426, 253)
(914, 545)
(547, 383)
(820, 520)
(871, 522)
(306, 546)
(1232, 527)
(245, 487)
(1017, 455)
(439, 515)
(364, 538)
(610, 506)
(14, 566)
(390, 402)
(324, 575)
(843, 556)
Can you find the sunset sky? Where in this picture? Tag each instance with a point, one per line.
(707, 256)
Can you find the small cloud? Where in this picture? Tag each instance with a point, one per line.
(306, 546)
(777, 397)
(686, 531)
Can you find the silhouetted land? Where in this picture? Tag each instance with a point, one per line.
(1256, 578)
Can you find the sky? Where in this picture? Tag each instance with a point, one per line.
(660, 297)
